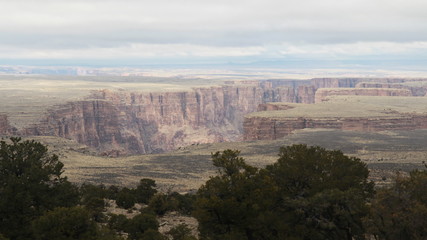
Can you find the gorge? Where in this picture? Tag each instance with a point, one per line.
(118, 121)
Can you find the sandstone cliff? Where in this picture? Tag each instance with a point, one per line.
(122, 122)
(264, 128)
(119, 122)
(345, 113)
(323, 93)
(415, 90)
(4, 125)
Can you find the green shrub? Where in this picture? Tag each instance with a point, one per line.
(125, 198)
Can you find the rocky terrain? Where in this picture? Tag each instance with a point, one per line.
(368, 114)
(124, 116)
(323, 93)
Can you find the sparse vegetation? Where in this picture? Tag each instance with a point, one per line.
(351, 106)
(308, 193)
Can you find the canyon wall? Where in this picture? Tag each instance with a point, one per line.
(122, 122)
(323, 93)
(263, 128)
(125, 122)
(4, 125)
(415, 90)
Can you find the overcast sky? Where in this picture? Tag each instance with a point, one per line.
(230, 30)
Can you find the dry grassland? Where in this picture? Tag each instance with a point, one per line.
(188, 168)
(351, 106)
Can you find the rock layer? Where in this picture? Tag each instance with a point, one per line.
(323, 93)
(263, 128)
(4, 125)
(124, 122)
(117, 122)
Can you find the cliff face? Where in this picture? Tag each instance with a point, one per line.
(129, 122)
(123, 122)
(261, 128)
(4, 125)
(334, 82)
(416, 91)
(323, 93)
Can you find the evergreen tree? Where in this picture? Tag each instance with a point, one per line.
(309, 193)
(30, 184)
(400, 211)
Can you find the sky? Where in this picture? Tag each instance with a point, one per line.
(213, 31)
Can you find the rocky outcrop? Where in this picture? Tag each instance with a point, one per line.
(323, 93)
(264, 128)
(378, 85)
(95, 123)
(352, 82)
(4, 125)
(334, 82)
(306, 94)
(415, 90)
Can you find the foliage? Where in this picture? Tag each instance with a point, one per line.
(159, 204)
(145, 190)
(228, 204)
(105, 233)
(139, 224)
(325, 192)
(65, 224)
(181, 232)
(309, 193)
(118, 222)
(184, 203)
(3, 237)
(30, 183)
(152, 234)
(125, 198)
(400, 211)
(112, 191)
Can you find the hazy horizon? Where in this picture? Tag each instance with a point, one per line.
(304, 34)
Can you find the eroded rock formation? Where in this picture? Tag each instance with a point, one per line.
(415, 90)
(264, 128)
(125, 122)
(323, 93)
(4, 125)
(121, 122)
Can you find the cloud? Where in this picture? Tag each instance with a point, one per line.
(131, 51)
(135, 28)
(355, 49)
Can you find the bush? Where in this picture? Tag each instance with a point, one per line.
(138, 225)
(181, 232)
(125, 198)
(65, 224)
(159, 204)
(400, 211)
(112, 191)
(145, 190)
(152, 234)
(118, 222)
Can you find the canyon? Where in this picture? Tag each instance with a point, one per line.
(277, 121)
(123, 121)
